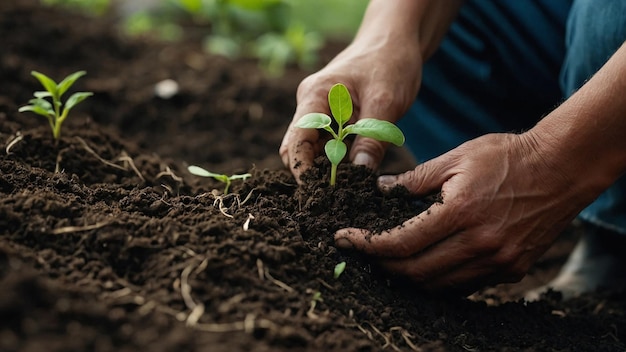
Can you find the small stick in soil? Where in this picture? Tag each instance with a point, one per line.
(248, 325)
(231, 303)
(388, 342)
(246, 199)
(70, 229)
(18, 137)
(126, 158)
(170, 173)
(197, 309)
(147, 308)
(325, 284)
(259, 268)
(406, 336)
(267, 275)
(365, 332)
(101, 159)
(185, 288)
(202, 266)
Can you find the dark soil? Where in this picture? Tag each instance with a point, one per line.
(107, 243)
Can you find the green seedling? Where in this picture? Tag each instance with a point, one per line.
(340, 103)
(198, 171)
(56, 111)
(317, 297)
(339, 268)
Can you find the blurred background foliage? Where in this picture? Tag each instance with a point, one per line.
(276, 32)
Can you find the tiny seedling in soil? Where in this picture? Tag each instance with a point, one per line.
(317, 297)
(340, 103)
(339, 268)
(198, 171)
(56, 111)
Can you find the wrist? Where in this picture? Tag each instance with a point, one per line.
(423, 23)
(574, 162)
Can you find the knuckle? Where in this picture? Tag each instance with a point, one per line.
(383, 100)
(410, 180)
(313, 85)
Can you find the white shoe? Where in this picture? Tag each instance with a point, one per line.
(597, 261)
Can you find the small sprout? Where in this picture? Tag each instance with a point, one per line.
(340, 103)
(198, 171)
(339, 268)
(246, 224)
(317, 297)
(56, 111)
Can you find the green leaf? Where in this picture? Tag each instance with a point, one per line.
(198, 171)
(377, 129)
(254, 5)
(335, 150)
(42, 94)
(46, 82)
(340, 103)
(314, 120)
(192, 6)
(339, 268)
(76, 98)
(36, 109)
(42, 103)
(67, 82)
(39, 107)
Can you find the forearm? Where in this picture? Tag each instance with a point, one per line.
(587, 133)
(423, 21)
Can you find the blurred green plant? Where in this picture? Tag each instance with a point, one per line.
(93, 7)
(263, 29)
(143, 22)
(276, 32)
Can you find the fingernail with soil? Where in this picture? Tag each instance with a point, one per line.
(364, 159)
(344, 243)
(386, 182)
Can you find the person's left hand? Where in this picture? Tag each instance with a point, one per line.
(504, 204)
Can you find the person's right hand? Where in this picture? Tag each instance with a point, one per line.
(383, 77)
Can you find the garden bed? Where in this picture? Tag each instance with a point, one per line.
(107, 243)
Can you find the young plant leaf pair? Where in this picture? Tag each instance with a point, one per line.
(56, 111)
(340, 103)
(227, 180)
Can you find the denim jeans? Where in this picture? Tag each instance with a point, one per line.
(504, 65)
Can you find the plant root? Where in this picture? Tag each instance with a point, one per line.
(129, 161)
(219, 202)
(388, 337)
(71, 229)
(15, 139)
(170, 173)
(124, 157)
(248, 325)
(406, 336)
(264, 273)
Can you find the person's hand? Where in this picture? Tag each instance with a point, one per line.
(383, 79)
(504, 203)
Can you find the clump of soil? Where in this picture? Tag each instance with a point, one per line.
(107, 243)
